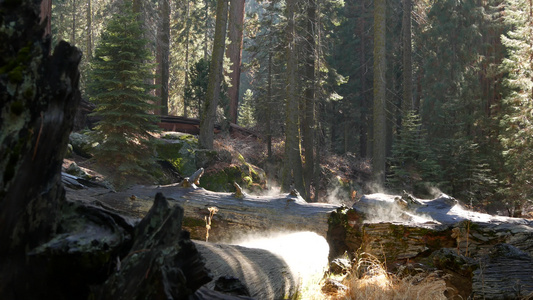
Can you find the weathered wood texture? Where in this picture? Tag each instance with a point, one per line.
(162, 263)
(38, 98)
(266, 275)
(489, 251)
(158, 240)
(236, 216)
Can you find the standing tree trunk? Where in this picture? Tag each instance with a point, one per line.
(207, 122)
(39, 97)
(309, 94)
(206, 33)
(407, 103)
(364, 130)
(73, 33)
(234, 53)
(187, 33)
(89, 31)
(268, 110)
(163, 53)
(293, 173)
(46, 16)
(380, 120)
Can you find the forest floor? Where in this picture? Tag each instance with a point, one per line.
(343, 178)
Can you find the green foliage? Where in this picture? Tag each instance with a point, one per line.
(196, 91)
(246, 111)
(118, 86)
(413, 165)
(516, 135)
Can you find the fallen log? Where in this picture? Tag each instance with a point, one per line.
(236, 215)
(480, 253)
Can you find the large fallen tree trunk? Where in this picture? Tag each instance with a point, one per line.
(236, 215)
(474, 250)
(484, 256)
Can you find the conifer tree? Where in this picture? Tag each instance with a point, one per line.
(517, 131)
(413, 165)
(196, 88)
(119, 88)
(246, 112)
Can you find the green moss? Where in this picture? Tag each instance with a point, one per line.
(248, 180)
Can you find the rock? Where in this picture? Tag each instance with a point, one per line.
(70, 151)
(81, 144)
(247, 176)
(205, 158)
(179, 150)
(74, 169)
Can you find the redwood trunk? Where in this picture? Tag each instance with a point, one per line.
(234, 53)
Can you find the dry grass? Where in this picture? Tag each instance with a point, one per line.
(370, 280)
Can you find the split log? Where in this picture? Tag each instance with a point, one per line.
(407, 230)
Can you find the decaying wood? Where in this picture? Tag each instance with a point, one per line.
(38, 97)
(193, 180)
(481, 254)
(265, 275)
(236, 215)
(162, 263)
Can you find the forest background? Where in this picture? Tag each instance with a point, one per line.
(431, 94)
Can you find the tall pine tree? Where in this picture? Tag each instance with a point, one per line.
(517, 123)
(414, 166)
(119, 88)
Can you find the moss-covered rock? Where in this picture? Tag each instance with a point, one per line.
(81, 144)
(246, 175)
(74, 169)
(180, 151)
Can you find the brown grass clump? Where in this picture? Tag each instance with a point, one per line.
(370, 280)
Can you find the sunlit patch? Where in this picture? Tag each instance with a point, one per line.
(306, 253)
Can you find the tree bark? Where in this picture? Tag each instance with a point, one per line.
(380, 120)
(46, 16)
(479, 254)
(73, 33)
(293, 171)
(89, 31)
(407, 103)
(207, 122)
(236, 215)
(187, 34)
(163, 53)
(309, 94)
(365, 132)
(38, 102)
(234, 53)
